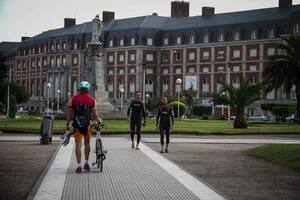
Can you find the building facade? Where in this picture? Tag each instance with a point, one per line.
(200, 50)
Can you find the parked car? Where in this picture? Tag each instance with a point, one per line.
(258, 118)
(290, 118)
(232, 117)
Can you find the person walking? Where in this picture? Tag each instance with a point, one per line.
(165, 122)
(80, 109)
(135, 113)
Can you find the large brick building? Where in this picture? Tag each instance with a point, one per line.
(201, 50)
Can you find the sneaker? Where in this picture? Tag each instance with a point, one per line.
(161, 151)
(166, 151)
(78, 170)
(137, 148)
(86, 167)
(132, 146)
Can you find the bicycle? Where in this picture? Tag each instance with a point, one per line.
(100, 153)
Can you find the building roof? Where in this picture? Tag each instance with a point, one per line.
(7, 47)
(159, 23)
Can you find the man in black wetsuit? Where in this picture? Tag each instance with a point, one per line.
(165, 117)
(135, 113)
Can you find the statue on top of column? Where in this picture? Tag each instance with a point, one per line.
(97, 30)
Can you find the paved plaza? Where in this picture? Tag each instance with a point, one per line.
(129, 173)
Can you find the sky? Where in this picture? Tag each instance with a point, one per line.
(30, 17)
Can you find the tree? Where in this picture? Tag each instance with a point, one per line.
(241, 97)
(189, 95)
(15, 90)
(284, 69)
(3, 69)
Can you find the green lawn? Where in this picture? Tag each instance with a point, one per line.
(286, 155)
(32, 125)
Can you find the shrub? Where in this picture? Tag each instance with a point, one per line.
(182, 108)
(202, 110)
(281, 112)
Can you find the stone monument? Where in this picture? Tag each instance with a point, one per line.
(95, 70)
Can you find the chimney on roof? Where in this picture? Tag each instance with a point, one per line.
(108, 16)
(180, 9)
(285, 3)
(23, 38)
(69, 22)
(208, 11)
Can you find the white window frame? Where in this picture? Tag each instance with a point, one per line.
(192, 56)
(149, 57)
(236, 53)
(236, 68)
(252, 68)
(296, 28)
(121, 58)
(253, 35)
(165, 57)
(58, 62)
(178, 40)
(110, 58)
(132, 57)
(205, 38)
(192, 70)
(253, 52)
(205, 55)
(64, 61)
(165, 71)
(236, 35)
(178, 71)
(111, 43)
(132, 41)
(75, 60)
(192, 39)
(205, 69)
(271, 33)
(221, 37)
(271, 51)
(149, 41)
(75, 45)
(221, 54)
(121, 42)
(166, 41)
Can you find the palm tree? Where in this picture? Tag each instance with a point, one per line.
(284, 69)
(241, 97)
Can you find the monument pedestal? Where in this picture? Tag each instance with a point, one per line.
(95, 75)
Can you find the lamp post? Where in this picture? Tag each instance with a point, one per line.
(144, 81)
(48, 97)
(121, 90)
(58, 96)
(223, 94)
(228, 79)
(8, 93)
(178, 83)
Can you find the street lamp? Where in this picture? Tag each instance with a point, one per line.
(58, 95)
(144, 81)
(48, 97)
(228, 79)
(178, 83)
(223, 94)
(121, 90)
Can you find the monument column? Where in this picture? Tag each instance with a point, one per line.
(95, 69)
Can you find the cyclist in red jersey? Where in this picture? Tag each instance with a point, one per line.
(80, 109)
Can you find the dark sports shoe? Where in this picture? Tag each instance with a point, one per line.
(161, 151)
(132, 145)
(166, 151)
(78, 170)
(86, 167)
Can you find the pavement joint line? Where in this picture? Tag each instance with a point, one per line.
(198, 188)
(53, 183)
(227, 141)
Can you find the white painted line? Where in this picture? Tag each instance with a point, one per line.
(54, 181)
(229, 141)
(201, 190)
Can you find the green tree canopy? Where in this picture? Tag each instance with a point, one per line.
(284, 69)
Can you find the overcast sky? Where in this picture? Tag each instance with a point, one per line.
(31, 17)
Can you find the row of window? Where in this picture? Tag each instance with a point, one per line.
(220, 54)
(53, 47)
(236, 36)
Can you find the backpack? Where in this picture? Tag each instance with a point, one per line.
(82, 118)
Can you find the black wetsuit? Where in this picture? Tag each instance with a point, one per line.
(136, 112)
(164, 116)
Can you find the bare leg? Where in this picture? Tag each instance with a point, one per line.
(78, 151)
(87, 149)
